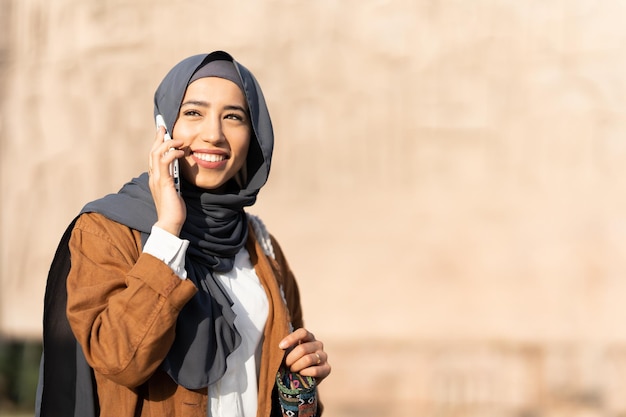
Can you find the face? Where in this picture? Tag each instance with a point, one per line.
(214, 125)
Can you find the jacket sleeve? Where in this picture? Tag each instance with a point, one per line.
(122, 304)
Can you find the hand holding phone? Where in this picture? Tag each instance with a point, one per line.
(174, 169)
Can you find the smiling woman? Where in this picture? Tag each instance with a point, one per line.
(182, 303)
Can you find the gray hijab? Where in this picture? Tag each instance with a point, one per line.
(216, 226)
(169, 96)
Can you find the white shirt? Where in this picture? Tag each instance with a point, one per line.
(235, 394)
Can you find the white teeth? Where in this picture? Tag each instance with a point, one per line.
(209, 157)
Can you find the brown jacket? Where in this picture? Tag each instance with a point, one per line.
(123, 305)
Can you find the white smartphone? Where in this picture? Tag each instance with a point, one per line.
(174, 169)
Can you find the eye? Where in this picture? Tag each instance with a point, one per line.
(191, 112)
(235, 116)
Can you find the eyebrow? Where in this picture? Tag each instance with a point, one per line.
(202, 103)
(195, 103)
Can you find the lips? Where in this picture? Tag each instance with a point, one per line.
(210, 159)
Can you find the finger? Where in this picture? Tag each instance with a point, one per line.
(297, 337)
(318, 372)
(158, 140)
(305, 354)
(163, 154)
(304, 362)
(162, 171)
(315, 365)
(155, 150)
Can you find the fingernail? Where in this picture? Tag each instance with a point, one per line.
(283, 345)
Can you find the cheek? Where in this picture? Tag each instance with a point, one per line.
(243, 146)
(181, 132)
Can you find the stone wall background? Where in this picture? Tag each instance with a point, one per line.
(448, 181)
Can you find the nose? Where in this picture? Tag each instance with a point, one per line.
(212, 130)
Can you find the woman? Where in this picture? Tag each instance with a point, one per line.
(182, 304)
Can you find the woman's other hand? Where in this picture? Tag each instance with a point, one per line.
(170, 207)
(306, 354)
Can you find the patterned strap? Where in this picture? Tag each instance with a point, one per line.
(262, 235)
(297, 394)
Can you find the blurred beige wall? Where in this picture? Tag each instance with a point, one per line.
(448, 181)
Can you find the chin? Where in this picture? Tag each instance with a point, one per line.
(206, 182)
(210, 186)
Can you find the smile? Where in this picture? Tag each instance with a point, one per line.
(209, 157)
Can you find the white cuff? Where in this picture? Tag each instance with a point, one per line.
(168, 248)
